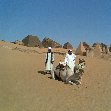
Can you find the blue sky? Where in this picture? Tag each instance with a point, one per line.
(61, 20)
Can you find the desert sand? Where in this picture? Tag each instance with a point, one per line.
(22, 88)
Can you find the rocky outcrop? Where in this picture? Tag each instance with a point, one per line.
(32, 41)
(67, 46)
(47, 42)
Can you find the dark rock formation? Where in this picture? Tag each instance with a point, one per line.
(32, 41)
(67, 46)
(47, 42)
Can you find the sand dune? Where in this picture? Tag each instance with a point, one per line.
(22, 88)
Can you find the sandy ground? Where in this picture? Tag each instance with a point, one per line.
(22, 88)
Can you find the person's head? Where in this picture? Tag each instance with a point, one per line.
(69, 51)
(49, 49)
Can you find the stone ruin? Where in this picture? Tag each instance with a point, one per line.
(97, 50)
(80, 50)
(67, 46)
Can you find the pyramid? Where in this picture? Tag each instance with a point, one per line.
(32, 41)
(103, 49)
(110, 48)
(90, 52)
(80, 50)
(47, 42)
(107, 50)
(97, 50)
(68, 46)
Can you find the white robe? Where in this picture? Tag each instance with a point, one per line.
(49, 65)
(70, 60)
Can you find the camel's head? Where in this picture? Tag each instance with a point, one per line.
(62, 65)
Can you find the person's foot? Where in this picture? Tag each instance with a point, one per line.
(53, 78)
(47, 72)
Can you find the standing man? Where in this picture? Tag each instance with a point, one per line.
(70, 59)
(49, 60)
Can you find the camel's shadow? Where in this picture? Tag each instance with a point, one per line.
(46, 73)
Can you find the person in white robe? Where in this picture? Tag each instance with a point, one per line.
(49, 60)
(70, 59)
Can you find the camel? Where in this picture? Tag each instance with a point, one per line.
(64, 72)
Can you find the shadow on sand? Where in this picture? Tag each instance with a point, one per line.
(42, 72)
(45, 73)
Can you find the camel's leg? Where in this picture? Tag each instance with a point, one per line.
(68, 80)
(73, 79)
